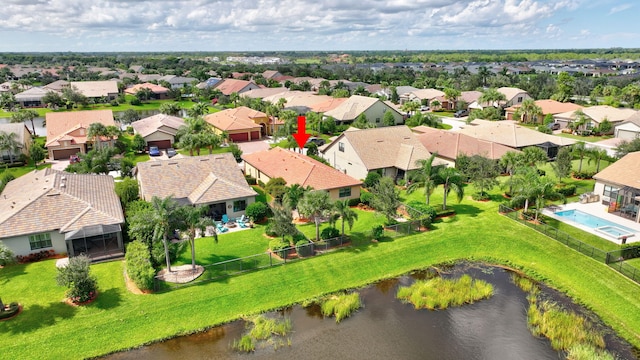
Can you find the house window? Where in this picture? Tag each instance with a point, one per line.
(610, 191)
(239, 205)
(40, 241)
(345, 192)
(519, 99)
(377, 120)
(341, 146)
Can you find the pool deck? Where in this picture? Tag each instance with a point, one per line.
(599, 210)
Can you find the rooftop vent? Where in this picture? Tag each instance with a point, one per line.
(156, 165)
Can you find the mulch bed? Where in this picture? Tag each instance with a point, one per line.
(180, 274)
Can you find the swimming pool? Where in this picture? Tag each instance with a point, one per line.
(598, 224)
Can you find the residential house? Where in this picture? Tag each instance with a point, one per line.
(57, 86)
(209, 83)
(374, 109)
(425, 96)
(158, 130)
(514, 96)
(448, 145)
(213, 180)
(392, 151)
(619, 186)
(242, 123)
(23, 139)
(628, 129)
(299, 101)
(547, 106)
(469, 97)
(271, 74)
(157, 92)
(300, 169)
(177, 82)
(594, 115)
(262, 93)
(31, 98)
(68, 213)
(230, 86)
(67, 131)
(515, 136)
(97, 90)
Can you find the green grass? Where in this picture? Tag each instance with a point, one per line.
(635, 263)
(263, 331)
(22, 170)
(440, 293)
(341, 306)
(585, 138)
(48, 328)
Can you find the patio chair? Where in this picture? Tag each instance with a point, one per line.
(225, 219)
(242, 224)
(220, 228)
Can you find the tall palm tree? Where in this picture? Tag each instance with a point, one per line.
(23, 116)
(452, 96)
(579, 150)
(96, 131)
(9, 142)
(597, 155)
(511, 160)
(346, 213)
(541, 189)
(198, 110)
(484, 73)
(534, 156)
(451, 180)
(410, 106)
(315, 204)
(195, 220)
(492, 97)
(163, 218)
(425, 176)
(293, 195)
(170, 109)
(529, 112)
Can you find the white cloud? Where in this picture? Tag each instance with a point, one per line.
(619, 8)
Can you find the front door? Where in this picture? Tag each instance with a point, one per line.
(217, 210)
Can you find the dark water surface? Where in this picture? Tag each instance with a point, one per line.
(386, 328)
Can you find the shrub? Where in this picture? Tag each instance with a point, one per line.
(584, 175)
(544, 129)
(443, 213)
(377, 232)
(372, 179)
(425, 221)
(268, 230)
(353, 202)
(6, 255)
(401, 182)
(365, 197)
(480, 196)
(390, 222)
(517, 202)
(257, 211)
(568, 190)
(329, 233)
(418, 209)
(251, 180)
(76, 276)
(278, 247)
(139, 267)
(157, 252)
(114, 103)
(298, 237)
(135, 101)
(303, 248)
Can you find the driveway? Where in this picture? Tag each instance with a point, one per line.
(455, 123)
(253, 146)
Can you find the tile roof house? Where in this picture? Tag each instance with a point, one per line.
(57, 85)
(22, 137)
(619, 186)
(32, 97)
(241, 123)
(513, 95)
(214, 180)
(97, 89)
(421, 94)
(158, 92)
(177, 82)
(262, 93)
(158, 130)
(547, 106)
(69, 213)
(300, 169)
(513, 135)
(374, 109)
(67, 131)
(628, 129)
(448, 145)
(391, 150)
(271, 74)
(298, 101)
(596, 114)
(230, 86)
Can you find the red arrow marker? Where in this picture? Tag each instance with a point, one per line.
(301, 136)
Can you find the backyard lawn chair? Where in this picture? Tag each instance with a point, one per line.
(220, 228)
(225, 219)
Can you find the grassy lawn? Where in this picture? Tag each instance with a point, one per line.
(635, 263)
(48, 328)
(585, 138)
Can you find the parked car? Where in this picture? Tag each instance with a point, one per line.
(461, 113)
(317, 141)
(554, 126)
(154, 151)
(424, 108)
(171, 152)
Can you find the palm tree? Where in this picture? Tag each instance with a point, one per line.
(451, 180)
(10, 143)
(234, 97)
(144, 94)
(410, 106)
(95, 132)
(170, 109)
(23, 116)
(451, 95)
(315, 204)
(425, 176)
(195, 220)
(346, 213)
(484, 73)
(528, 111)
(293, 195)
(534, 156)
(112, 132)
(580, 121)
(163, 218)
(435, 104)
(492, 97)
(198, 110)
(580, 150)
(511, 160)
(209, 140)
(542, 189)
(597, 155)
(188, 142)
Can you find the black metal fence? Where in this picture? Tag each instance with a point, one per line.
(615, 258)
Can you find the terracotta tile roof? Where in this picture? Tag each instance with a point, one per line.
(393, 146)
(327, 105)
(299, 169)
(240, 118)
(263, 93)
(60, 124)
(156, 89)
(194, 180)
(450, 144)
(96, 88)
(300, 99)
(511, 134)
(549, 106)
(624, 172)
(151, 124)
(229, 86)
(47, 200)
(350, 109)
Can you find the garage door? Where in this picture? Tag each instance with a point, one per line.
(239, 137)
(626, 134)
(255, 135)
(63, 154)
(161, 144)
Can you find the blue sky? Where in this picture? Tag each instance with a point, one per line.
(255, 25)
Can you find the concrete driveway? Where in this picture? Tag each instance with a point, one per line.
(253, 146)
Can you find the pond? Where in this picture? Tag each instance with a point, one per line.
(386, 328)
